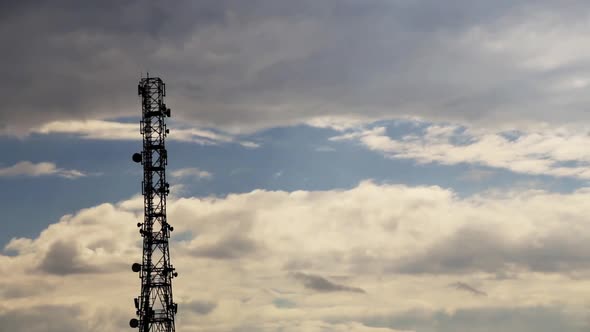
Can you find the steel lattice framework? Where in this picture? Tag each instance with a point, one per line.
(155, 306)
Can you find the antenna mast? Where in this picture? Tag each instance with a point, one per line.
(155, 306)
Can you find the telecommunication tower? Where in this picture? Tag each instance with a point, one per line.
(155, 306)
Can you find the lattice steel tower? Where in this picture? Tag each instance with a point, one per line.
(155, 306)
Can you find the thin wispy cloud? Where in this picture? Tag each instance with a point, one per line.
(30, 169)
(192, 172)
(558, 153)
(462, 286)
(324, 148)
(321, 284)
(115, 131)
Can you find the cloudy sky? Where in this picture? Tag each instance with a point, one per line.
(336, 165)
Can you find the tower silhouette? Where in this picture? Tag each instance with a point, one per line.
(155, 306)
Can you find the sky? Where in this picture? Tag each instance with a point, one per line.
(335, 165)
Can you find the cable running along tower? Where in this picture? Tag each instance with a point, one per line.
(155, 306)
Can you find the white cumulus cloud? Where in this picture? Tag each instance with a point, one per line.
(370, 258)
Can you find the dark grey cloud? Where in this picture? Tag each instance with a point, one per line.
(517, 319)
(462, 286)
(200, 307)
(230, 247)
(245, 65)
(63, 258)
(484, 250)
(321, 284)
(43, 319)
(62, 318)
(15, 290)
